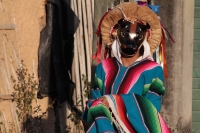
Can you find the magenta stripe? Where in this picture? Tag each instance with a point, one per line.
(101, 117)
(164, 127)
(108, 132)
(133, 75)
(112, 91)
(111, 68)
(121, 80)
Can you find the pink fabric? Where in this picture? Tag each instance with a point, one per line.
(133, 76)
(96, 102)
(164, 127)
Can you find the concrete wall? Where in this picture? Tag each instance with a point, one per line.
(177, 17)
(187, 56)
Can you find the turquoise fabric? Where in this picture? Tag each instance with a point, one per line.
(128, 83)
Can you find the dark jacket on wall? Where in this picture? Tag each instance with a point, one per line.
(56, 51)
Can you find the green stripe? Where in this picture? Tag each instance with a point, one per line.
(99, 83)
(150, 115)
(157, 86)
(97, 111)
(145, 90)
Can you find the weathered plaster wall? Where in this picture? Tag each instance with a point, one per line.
(24, 39)
(21, 43)
(187, 55)
(177, 17)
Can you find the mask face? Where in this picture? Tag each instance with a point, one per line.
(131, 36)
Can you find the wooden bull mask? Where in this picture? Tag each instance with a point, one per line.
(131, 36)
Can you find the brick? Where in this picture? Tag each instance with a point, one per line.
(196, 116)
(196, 64)
(196, 83)
(196, 94)
(196, 105)
(196, 45)
(197, 3)
(197, 12)
(196, 56)
(196, 73)
(195, 127)
(196, 34)
(197, 23)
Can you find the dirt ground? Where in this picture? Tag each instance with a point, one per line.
(20, 43)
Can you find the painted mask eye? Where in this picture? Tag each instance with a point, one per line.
(138, 31)
(122, 34)
(140, 37)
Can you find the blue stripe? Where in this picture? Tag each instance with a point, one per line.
(133, 112)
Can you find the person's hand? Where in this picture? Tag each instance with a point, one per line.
(104, 101)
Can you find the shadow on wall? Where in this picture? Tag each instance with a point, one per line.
(55, 56)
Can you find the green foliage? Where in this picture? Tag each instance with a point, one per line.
(75, 116)
(179, 129)
(87, 85)
(76, 120)
(2, 125)
(26, 87)
(3, 128)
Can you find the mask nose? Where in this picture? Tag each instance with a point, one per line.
(132, 35)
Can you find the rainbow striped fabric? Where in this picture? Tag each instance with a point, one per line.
(134, 95)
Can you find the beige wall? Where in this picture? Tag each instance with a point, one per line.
(187, 55)
(20, 43)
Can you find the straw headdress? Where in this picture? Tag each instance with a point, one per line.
(133, 12)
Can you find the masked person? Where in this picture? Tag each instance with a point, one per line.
(128, 88)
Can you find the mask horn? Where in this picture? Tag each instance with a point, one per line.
(145, 27)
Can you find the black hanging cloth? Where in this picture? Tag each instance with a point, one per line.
(55, 53)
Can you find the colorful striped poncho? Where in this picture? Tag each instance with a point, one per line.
(134, 95)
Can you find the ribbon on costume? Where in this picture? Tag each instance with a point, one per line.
(162, 53)
(154, 8)
(167, 33)
(142, 3)
(163, 48)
